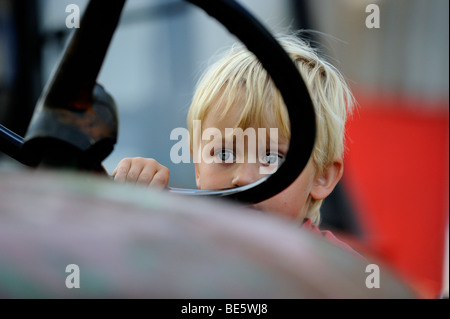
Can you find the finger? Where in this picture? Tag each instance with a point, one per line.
(147, 174)
(161, 178)
(135, 170)
(121, 170)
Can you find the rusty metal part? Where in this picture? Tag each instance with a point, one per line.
(75, 121)
(132, 242)
(60, 137)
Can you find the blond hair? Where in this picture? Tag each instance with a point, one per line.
(240, 77)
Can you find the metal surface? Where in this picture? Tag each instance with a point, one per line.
(131, 242)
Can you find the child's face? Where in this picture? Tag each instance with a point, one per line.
(292, 202)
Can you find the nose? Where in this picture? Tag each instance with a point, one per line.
(245, 173)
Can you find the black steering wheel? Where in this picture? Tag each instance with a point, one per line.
(75, 121)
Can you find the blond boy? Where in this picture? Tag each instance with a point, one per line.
(236, 92)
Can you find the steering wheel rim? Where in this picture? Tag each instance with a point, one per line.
(290, 83)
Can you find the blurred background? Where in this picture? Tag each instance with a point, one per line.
(393, 199)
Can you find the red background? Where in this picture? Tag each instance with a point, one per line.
(396, 173)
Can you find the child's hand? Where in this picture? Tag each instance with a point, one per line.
(144, 171)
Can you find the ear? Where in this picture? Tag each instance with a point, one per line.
(197, 176)
(324, 183)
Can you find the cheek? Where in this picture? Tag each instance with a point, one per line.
(212, 178)
(292, 202)
(283, 205)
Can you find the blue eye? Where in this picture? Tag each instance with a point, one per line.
(272, 159)
(225, 156)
